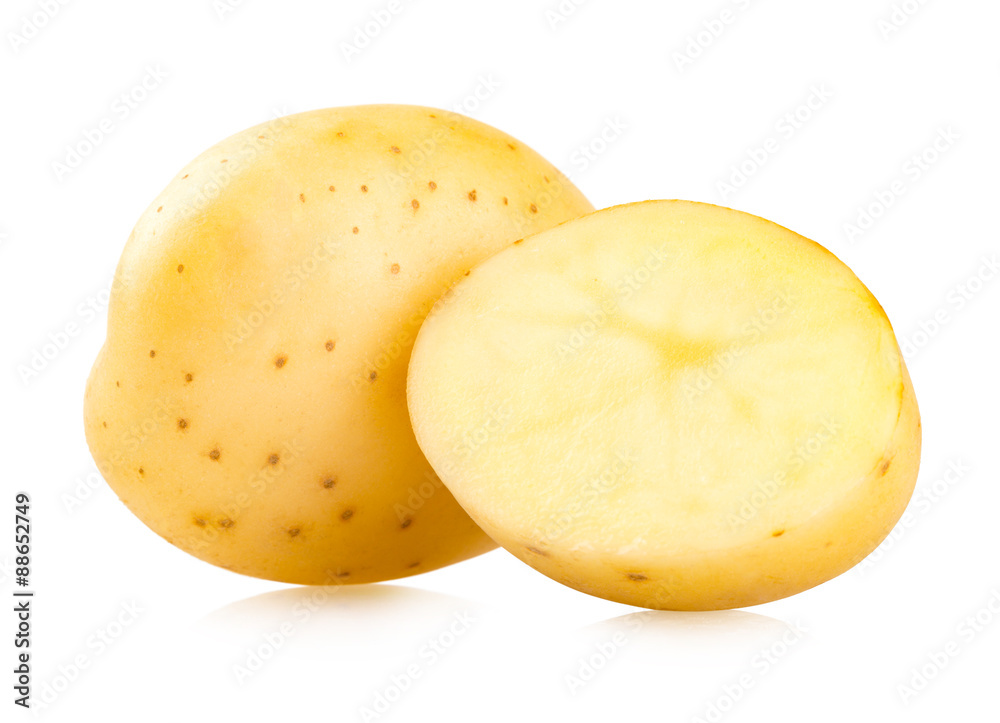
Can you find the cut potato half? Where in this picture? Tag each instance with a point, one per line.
(670, 404)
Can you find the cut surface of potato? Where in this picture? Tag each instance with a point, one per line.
(249, 403)
(670, 404)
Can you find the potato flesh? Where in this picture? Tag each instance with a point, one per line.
(667, 404)
(259, 337)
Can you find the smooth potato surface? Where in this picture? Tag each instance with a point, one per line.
(249, 403)
(670, 404)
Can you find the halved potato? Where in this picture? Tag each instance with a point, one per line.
(249, 404)
(671, 405)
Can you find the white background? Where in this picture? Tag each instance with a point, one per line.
(526, 648)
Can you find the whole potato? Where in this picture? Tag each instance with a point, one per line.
(670, 404)
(249, 403)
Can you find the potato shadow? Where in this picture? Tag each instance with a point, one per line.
(372, 617)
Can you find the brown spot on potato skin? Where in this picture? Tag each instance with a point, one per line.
(118, 384)
(512, 146)
(395, 149)
(280, 361)
(884, 469)
(180, 268)
(293, 532)
(105, 424)
(273, 459)
(340, 134)
(215, 454)
(468, 272)
(394, 269)
(472, 195)
(332, 189)
(518, 241)
(373, 376)
(343, 574)
(637, 577)
(347, 514)
(433, 186)
(188, 377)
(533, 208)
(505, 201)
(777, 533)
(182, 424)
(536, 551)
(330, 344)
(185, 176)
(406, 523)
(355, 230)
(159, 209)
(225, 523)
(329, 483)
(415, 203)
(302, 197)
(224, 160)
(364, 189)
(141, 471)
(200, 522)
(412, 565)
(152, 353)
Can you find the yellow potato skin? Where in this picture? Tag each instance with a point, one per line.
(249, 403)
(519, 424)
